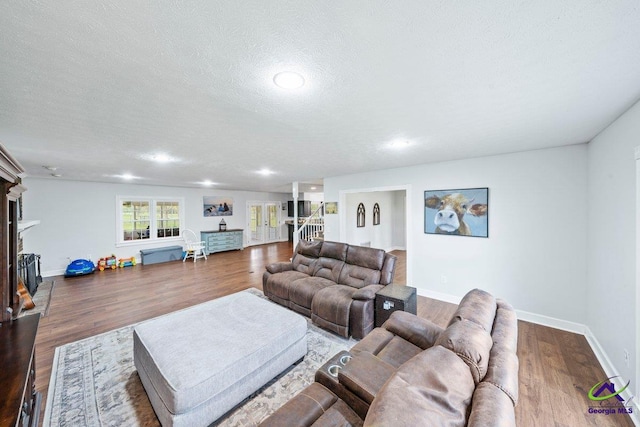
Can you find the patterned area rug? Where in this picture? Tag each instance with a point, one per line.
(94, 382)
(41, 299)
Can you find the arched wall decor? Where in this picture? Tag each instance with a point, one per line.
(361, 216)
(376, 214)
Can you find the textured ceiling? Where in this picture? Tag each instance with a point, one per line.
(95, 88)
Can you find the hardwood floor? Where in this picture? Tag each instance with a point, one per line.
(557, 368)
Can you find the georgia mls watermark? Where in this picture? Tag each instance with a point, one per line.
(610, 401)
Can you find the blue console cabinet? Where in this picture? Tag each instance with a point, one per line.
(219, 241)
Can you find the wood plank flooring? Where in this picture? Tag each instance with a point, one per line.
(557, 368)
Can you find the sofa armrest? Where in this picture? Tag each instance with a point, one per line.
(364, 375)
(278, 267)
(416, 330)
(367, 293)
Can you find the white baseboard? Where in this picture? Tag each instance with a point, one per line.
(565, 325)
(51, 273)
(452, 299)
(552, 322)
(611, 371)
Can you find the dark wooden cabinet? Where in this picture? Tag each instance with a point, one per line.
(393, 298)
(304, 208)
(10, 183)
(20, 403)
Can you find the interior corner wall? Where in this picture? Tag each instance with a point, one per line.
(535, 255)
(612, 230)
(78, 219)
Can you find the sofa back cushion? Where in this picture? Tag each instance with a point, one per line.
(388, 269)
(328, 268)
(304, 264)
(503, 367)
(334, 250)
(310, 249)
(306, 256)
(365, 257)
(358, 277)
(330, 261)
(478, 307)
(433, 388)
(471, 343)
(362, 266)
(491, 407)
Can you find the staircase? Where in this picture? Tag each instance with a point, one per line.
(313, 228)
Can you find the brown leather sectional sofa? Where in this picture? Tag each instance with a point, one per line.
(411, 372)
(333, 283)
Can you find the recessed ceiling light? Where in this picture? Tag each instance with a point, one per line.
(51, 168)
(207, 183)
(56, 175)
(161, 158)
(288, 80)
(400, 143)
(313, 188)
(265, 172)
(126, 176)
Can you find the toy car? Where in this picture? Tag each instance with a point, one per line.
(107, 262)
(127, 262)
(79, 267)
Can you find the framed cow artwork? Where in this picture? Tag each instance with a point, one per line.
(463, 212)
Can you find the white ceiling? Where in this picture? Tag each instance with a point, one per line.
(95, 88)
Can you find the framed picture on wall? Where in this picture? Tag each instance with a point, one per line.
(460, 212)
(331, 208)
(217, 206)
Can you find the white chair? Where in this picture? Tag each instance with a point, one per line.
(193, 248)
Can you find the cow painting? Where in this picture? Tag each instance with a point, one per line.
(457, 212)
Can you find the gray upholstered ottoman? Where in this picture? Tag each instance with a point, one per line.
(196, 364)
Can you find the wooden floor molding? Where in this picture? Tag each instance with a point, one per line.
(557, 368)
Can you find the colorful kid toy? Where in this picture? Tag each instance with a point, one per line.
(107, 262)
(127, 262)
(79, 267)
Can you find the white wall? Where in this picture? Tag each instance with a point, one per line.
(535, 256)
(78, 219)
(611, 291)
(398, 216)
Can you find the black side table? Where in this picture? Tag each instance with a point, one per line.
(392, 298)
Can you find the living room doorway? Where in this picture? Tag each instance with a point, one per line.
(393, 214)
(263, 222)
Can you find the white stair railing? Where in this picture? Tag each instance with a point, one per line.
(313, 227)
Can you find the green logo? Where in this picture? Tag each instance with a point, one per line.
(596, 391)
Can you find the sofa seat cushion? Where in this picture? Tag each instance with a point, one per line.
(330, 308)
(279, 284)
(303, 290)
(435, 387)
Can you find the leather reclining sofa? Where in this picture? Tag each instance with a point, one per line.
(332, 283)
(411, 372)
